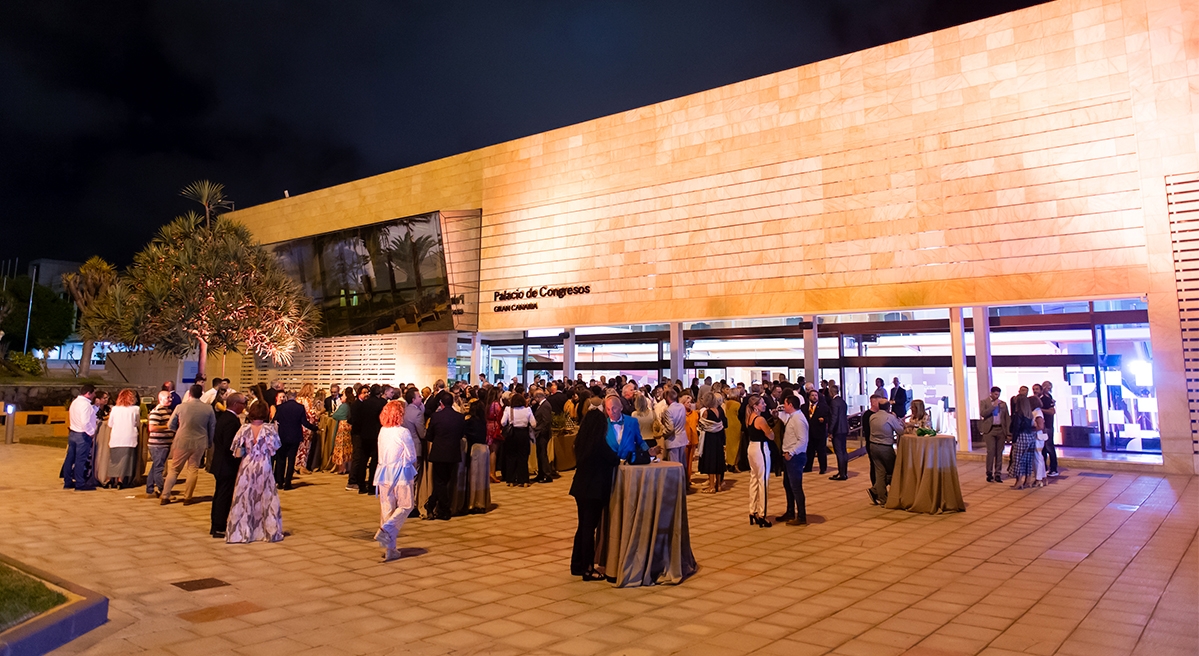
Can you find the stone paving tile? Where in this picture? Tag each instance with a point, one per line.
(1085, 566)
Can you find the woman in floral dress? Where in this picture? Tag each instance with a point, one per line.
(255, 514)
(305, 399)
(339, 462)
(495, 412)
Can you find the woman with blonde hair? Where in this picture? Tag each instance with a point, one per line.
(918, 419)
(306, 399)
(643, 412)
(757, 434)
(394, 476)
(732, 430)
(125, 423)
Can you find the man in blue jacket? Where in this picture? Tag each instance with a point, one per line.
(624, 432)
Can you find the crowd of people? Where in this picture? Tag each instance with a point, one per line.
(434, 452)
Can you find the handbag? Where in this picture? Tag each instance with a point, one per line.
(639, 457)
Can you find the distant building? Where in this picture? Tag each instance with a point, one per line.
(50, 272)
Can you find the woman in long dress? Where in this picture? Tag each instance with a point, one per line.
(495, 435)
(479, 480)
(394, 477)
(305, 398)
(516, 444)
(339, 462)
(255, 514)
(596, 463)
(712, 424)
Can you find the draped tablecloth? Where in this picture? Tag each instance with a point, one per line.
(926, 475)
(101, 452)
(646, 539)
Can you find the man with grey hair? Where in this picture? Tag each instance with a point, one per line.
(675, 422)
(193, 422)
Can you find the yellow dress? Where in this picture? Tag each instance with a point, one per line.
(732, 433)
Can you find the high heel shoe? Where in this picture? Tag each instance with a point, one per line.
(753, 519)
(763, 522)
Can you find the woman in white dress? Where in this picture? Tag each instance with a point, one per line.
(394, 476)
(256, 514)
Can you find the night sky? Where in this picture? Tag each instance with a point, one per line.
(107, 109)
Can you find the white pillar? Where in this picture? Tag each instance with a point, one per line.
(982, 353)
(811, 355)
(568, 355)
(957, 341)
(677, 352)
(476, 357)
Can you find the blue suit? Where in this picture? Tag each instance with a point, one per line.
(631, 441)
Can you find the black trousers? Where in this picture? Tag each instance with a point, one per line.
(285, 464)
(818, 450)
(355, 449)
(516, 457)
(364, 462)
(438, 504)
(797, 503)
(222, 501)
(545, 469)
(842, 454)
(1050, 449)
(582, 558)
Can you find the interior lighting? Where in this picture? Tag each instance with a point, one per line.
(1142, 372)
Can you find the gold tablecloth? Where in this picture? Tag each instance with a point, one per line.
(926, 476)
(647, 541)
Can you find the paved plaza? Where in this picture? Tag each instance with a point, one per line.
(1095, 564)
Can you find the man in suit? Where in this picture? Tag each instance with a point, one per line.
(334, 399)
(446, 429)
(543, 414)
(899, 399)
(624, 431)
(364, 434)
(993, 426)
(839, 429)
(224, 464)
(292, 419)
(818, 415)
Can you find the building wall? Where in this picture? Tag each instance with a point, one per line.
(1020, 158)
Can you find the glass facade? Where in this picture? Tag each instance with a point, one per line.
(381, 278)
(1101, 373)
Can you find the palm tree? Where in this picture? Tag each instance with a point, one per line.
(209, 194)
(412, 252)
(91, 282)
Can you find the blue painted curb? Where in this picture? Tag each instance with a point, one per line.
(56, 628)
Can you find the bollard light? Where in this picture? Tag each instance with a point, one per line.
(10, 423)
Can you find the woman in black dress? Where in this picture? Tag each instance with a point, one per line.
(712, 422)
(595, 465)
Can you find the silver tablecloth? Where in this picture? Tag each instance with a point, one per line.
(647, 541)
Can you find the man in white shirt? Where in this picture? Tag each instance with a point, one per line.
(77, 469)
(795, 458)
(675, 420)
(218, 385)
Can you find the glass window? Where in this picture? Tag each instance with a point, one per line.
(381, 278)
(1121, 304)
(1129, 395)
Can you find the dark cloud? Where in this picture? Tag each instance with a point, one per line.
(109, 108)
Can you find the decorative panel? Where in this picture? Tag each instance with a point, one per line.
(1182, 197)
(417, 358)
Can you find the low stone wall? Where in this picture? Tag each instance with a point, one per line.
(35, 396)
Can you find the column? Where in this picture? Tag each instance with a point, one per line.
(677, 352)
(476, 358)
(811, 354)
(568, 354)
(984, 379)
(957, 341)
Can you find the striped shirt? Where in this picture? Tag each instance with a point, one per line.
(160, 435)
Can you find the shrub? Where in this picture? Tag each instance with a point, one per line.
(26, 363)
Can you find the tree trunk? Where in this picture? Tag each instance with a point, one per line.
(85, 360)
(203, 362)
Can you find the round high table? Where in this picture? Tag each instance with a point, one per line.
(926, 475)
(646, 540)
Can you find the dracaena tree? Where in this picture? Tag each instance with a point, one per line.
(85, 286)
(203, 283)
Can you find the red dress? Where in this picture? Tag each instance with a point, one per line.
(494, 413)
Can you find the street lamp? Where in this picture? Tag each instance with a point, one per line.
(29, 315)
(10, 423)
